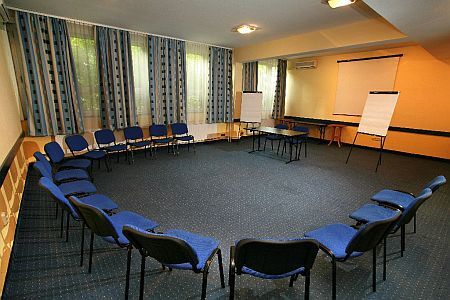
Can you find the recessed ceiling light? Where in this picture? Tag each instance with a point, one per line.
(245, 28)
(338, 3)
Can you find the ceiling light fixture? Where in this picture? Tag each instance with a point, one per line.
(245, 28)
(339, 3)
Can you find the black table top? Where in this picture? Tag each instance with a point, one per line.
(272, 130)
(302, 122)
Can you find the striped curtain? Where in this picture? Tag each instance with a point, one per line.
(220, 104)
(115, 67)
(280, 90)
(250, 76)
(167, 77)
(52, 101)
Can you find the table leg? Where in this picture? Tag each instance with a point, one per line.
(332, 136)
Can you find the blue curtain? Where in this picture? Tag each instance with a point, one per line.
(220, 105)
(118, 107)
(280, 90)
(250, 76)
(167, 78)
(52, 103)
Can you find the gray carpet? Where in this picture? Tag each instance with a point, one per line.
(223, 192)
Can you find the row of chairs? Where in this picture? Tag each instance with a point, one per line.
(287, 140)
(268, 259)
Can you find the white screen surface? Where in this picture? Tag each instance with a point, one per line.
(251, 107)
(357, 78)
(377, 113)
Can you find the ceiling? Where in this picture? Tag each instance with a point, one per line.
(207, 21)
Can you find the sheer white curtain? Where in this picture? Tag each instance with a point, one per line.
(139, 52)
(197, 76)
(267, 81)
(83, 46)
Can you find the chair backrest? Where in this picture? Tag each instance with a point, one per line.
(56, 193)
(436, 183)
(54, 152)
(409, 211)
(96, 219)
(158, 130)
(273, 257)
(179, 128)
(301, 129)
(133, 133)
(41, 158)
(76, 142)
(40, 167)
(369, 235)
(104, 137)
(281, 126)
(164, 248)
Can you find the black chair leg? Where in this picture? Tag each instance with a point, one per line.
(62, 223)
(307, 284)
(291, 281)
(204, 283)
(415, 223)
(231, 282)
(374, 269)
(67, 227)
(271, 144)
(141, 285)
(56, 213)
(222, 277)
(91, 248)
(127, 275)
(82, 243)
(333, 278)
(384, 259)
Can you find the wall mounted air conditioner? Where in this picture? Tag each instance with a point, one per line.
(4, 17)
(307, 64)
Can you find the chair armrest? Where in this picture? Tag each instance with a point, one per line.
(403, 192)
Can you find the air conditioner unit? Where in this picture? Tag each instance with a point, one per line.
(307, 64)
(4, 17)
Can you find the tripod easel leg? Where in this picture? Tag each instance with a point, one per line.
(351, 148)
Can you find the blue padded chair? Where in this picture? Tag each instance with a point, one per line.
(298, 142)
(273, 259)
(342, 242)
(177, 249)
(63, 175)
(56, 155)
(372, 212)
(159, 136)
(79, 187)
(109, 227)
(135, 140)
(180, 134)
(401, 199)
(77, 143)
(275, 137)
(106, 140)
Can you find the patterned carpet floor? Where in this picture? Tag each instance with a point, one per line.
(223, 192)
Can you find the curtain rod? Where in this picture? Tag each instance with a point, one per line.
(370, 58)
(109, 26)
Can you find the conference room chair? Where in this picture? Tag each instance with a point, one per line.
(78, 187)
(63, 175)
(176, 249)
(159, 136)
(275, 137)
(134, 138)
(77, 143)
(106, 140)
(298, 142)
(402, 199)
(342, 242)
(181, 134)
(372, 212)
(109, 228)
(273, 259)
(58, 159)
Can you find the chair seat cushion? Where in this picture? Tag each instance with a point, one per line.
(399, 199)
(186, 138)
(140, 144)
(371, 213)
(163, 141)
(128, 218)
(71, 174)
(202, 246)
(335, 237)
(77, 188)
(95, 154)
(115, 148)
(77, 163)
(100, 201)
(249, 271)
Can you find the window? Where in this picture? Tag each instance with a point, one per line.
(139, 52)
(197, 76)
(267, 81)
